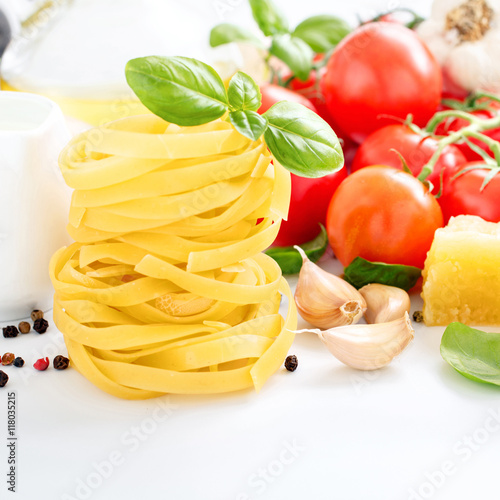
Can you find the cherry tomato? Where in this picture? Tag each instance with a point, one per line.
(453, 124)
(465, 197)
(308, 206)
(415, 149)
(381, 70)
(271, 94)
(383, 215)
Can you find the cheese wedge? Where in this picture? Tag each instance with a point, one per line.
(462, 273)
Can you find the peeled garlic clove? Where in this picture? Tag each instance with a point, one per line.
(325, 300)
(368, 347)
(384, 303)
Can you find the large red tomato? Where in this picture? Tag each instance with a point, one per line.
(415, 149)
(271, 94)
(383, 215)
(378, 71)
(308, 206)
(466, 198)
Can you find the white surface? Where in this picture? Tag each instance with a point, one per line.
(356, 435)
(32, 192)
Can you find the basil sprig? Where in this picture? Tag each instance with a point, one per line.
(295, 47)
(290, 260)
(188, 92)
(473, 353)
(361, 272)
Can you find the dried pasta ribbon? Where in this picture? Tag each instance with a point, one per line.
(165, 289)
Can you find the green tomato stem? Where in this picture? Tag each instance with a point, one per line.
(452, 113)
(477, 125)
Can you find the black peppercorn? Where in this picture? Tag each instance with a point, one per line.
(418, 316)
(40, 325)
(4, 378)
(10, 332)
(19, 362)
(36, 314)
(291, 363)
(61, 362)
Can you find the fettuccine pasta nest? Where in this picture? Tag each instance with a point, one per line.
(165, 289)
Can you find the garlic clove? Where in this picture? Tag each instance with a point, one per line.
(368, 347)
(325, 300)
(384, 303)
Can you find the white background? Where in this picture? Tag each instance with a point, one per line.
(384, 435)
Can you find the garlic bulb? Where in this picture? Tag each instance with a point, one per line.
(368, 347)
(464, 36)
(325, 300)
(384, 303)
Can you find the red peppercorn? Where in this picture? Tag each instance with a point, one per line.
(41, 364)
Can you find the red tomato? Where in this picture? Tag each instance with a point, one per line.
(416, 150)
(383, 215)
(379, 70)
(453, 124)
(271, 94)
(465, 197)
(308, 206)
(312, 89)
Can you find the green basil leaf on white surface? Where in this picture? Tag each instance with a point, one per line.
(361, 272)
(290, 260)
(473, 353)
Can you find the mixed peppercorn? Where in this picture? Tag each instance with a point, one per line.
(40, 325)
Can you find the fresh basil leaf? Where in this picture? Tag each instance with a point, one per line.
(290, 260)
(244, 93)
(269, 18)
(361, 272)
(295, 53)
(227, 33)
(473, 353)
(302, 141)
(248, 123)
(322, 33)
(181, 90)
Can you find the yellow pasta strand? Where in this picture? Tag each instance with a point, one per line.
(165, 289)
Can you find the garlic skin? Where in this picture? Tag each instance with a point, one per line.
(470, 64)
(368, 347)
(325, 300)
(384, 303)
